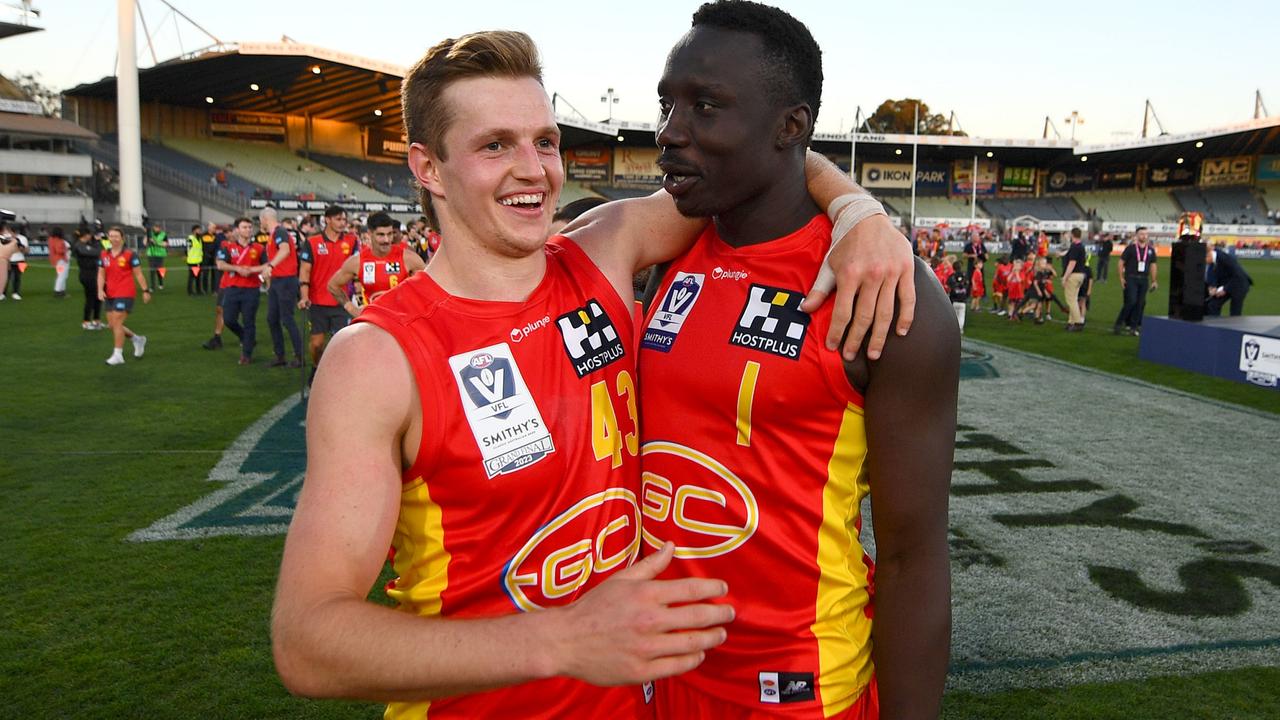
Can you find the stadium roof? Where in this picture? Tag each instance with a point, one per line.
(291, 78)
(8, 29)
(41, 126)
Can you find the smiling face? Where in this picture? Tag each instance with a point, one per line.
(718, 126)
(499, 184)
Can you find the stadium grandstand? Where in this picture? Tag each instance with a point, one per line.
(238, 126)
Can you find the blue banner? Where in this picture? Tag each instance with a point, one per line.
(1268, 167)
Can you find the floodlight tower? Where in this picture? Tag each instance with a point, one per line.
(128, 116)
(609, 99)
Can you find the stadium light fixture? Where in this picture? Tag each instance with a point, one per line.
(620, 138)
(1084, 158)
(253, 87)
(208, 99)
(990, 154)
(315, 69)
(378, 112)
(1179, 161)
(1199, 143)
(897, 151)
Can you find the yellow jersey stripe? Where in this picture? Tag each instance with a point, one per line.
(841, 628)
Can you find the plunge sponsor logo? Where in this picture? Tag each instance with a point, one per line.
(520, 333)
(772, 322)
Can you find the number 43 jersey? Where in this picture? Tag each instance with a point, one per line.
(753, 454)
(524, 494)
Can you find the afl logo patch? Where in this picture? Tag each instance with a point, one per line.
(671, 313)
(508, 428)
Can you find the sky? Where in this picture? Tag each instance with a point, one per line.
(1000, 65)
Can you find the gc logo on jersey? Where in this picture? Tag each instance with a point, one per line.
(573, 552)
(772, 322)
(589, 338)
(693, 500)
(504, 419)
(673, 311)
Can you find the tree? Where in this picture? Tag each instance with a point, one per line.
(49, 100)
(895, 116)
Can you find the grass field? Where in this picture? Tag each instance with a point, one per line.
(95, 626)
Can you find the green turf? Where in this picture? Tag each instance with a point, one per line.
(92, 626)
(1097, 347)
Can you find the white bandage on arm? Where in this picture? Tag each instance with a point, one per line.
(850, 209)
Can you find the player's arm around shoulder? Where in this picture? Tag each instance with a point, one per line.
(910, 403)
(625, 236)
(328, 641)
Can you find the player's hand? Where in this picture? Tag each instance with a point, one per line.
(633, 628)
(102, 296)
(872, 263)
(304, 303)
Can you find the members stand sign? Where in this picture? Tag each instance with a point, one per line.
(246, 125)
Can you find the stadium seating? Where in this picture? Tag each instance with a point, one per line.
(276, 168)
(1224, 205)
(401, 180)
(1130, 205)
(931, 206)
(1046, 208)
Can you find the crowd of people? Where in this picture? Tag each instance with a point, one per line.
(349, 265)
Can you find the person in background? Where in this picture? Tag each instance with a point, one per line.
(58, 258)
(209, 275)
(87, 251)
(1138, 276)
(1073, 267)
(977, 286)
(1000, 285)
(243, 261)
(1105, 248)
(957, 285)
(195, 257)
(282, 295)
(118, 268)
(1225, 281)
(17, 261)
(157, 243)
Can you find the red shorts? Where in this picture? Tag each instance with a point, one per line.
(677, 700)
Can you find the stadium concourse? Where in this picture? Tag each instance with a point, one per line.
(1093, 551)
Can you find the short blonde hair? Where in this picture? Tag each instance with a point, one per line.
(493, 53)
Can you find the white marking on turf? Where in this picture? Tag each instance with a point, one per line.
(227, 470)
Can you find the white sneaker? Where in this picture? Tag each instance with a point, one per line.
(1, 296)
(16, 296)
(115, 359)
(99, 325)
(139, 345)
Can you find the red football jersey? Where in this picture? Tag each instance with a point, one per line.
(251, 255)
(377, 275)
(118, 282)
(325, 256)
(524, 494)
(754, 444)
(288, 267)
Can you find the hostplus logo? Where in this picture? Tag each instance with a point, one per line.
(772, 322)
(590, 338)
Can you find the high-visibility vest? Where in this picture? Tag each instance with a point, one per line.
(195, 250)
